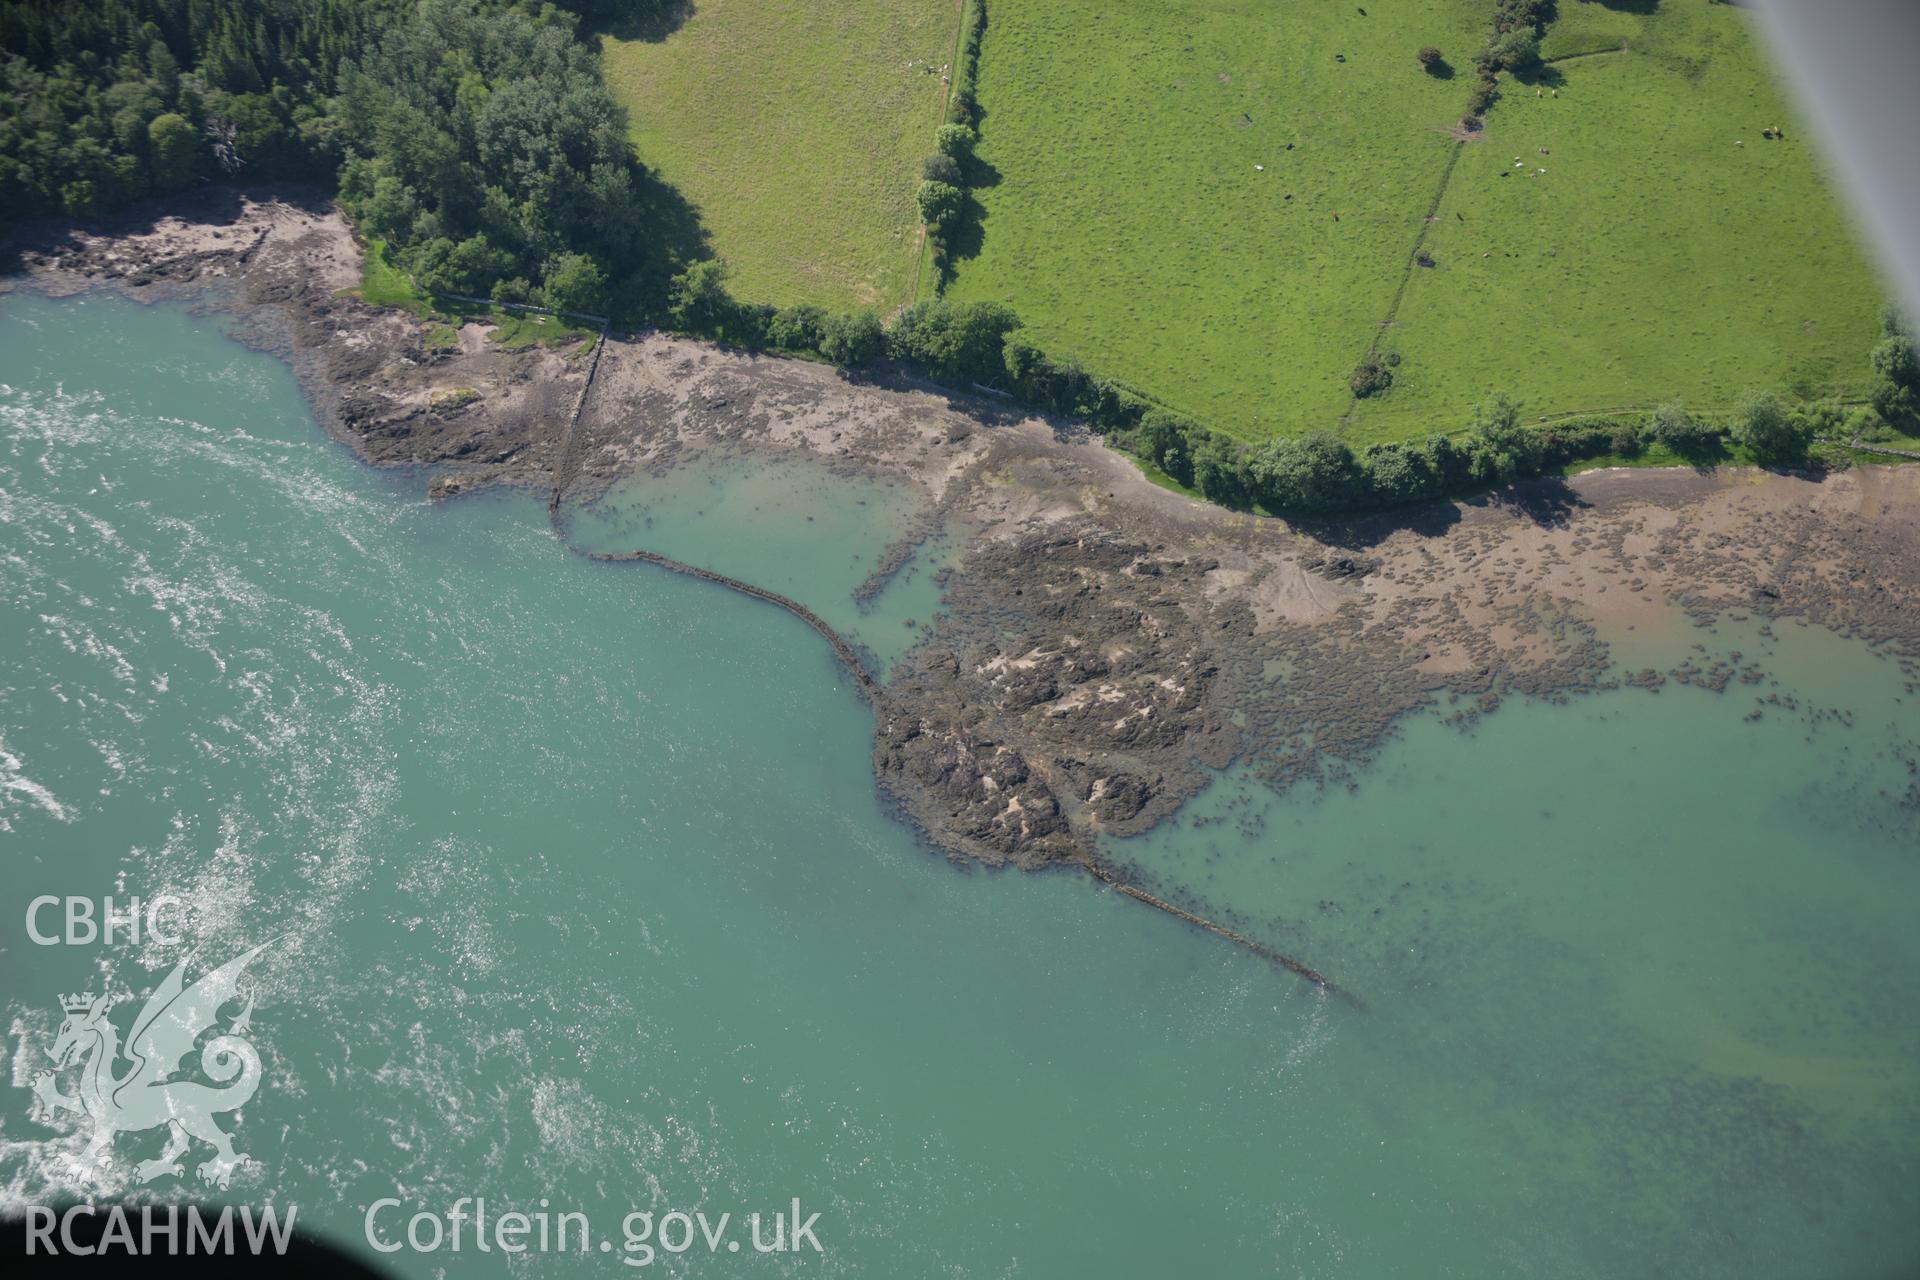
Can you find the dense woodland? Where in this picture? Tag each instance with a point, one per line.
(475, 137)
(478, 141)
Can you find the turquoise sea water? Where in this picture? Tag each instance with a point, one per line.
(791, 525)
(583, 891)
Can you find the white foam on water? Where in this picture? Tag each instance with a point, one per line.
(14, 782)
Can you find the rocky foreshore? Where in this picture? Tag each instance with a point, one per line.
(1105, 644)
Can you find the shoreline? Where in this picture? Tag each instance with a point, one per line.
(1105, 645)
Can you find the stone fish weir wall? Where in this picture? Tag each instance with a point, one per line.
(1104, 646)
(287, 265)
(877, 697)
(568, 469)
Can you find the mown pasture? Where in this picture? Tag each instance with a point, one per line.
(1211, 199)
(796, 130)
(1218, 202)
(1629, 237)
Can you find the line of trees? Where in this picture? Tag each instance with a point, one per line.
(1320, 474)
(943, 197)
(964, 101)
(1896, 388)
(697, 302)
(982, 345)
(1513, 44)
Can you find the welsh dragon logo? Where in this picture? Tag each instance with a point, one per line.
(143, 1096)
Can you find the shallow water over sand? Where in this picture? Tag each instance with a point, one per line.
(793, 526)
(590, 897)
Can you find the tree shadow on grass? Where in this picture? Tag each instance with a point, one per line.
(1542, 75)
(649, 20)
(965, 237)
(979, 173)
(969, 231)
(1627, 6)
(956, 114)
(673, 238)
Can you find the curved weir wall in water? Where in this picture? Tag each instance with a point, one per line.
(589, 868)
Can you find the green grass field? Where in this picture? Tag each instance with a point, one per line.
(382, 284)
(1654, 259)
(796, 130)
(1130, 228)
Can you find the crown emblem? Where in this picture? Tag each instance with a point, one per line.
(78, 1002)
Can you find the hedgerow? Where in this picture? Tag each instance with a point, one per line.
(963, 105)
(981, 345)
(943, 196)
